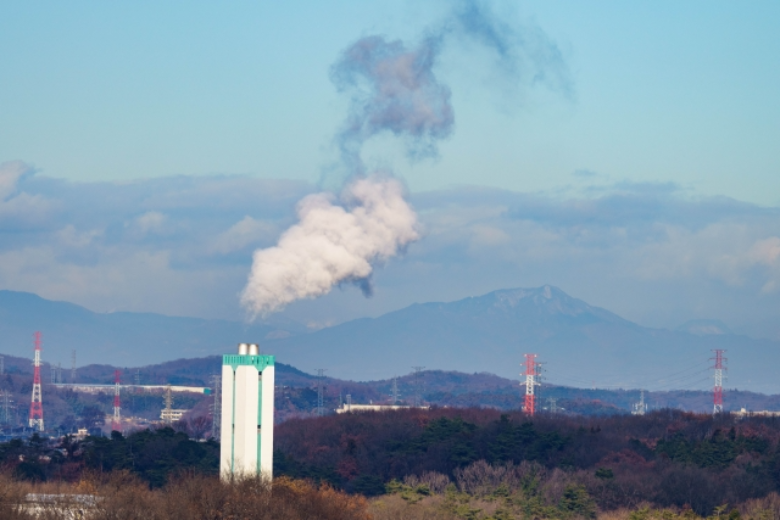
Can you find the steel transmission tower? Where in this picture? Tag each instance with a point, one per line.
(2, 365)
(7, 408)
(116, 421)
(418, 379)
(529, 405)
(36, 403)
(641, 407)
(320, 394)
(717, 392)
(73, 366)
(539, 379)
(216, 407)
(167, 415)
(395, 395)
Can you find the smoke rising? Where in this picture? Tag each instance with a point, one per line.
(392, 87)
(524, 55)
(334, 242)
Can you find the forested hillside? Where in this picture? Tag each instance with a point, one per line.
(471, 463)
(668, 458)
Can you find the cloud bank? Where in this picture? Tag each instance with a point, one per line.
(648, 252)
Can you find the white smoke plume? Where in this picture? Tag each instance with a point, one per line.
(333, 243)
(392, 88)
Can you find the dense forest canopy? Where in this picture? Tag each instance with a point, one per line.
(668, 458)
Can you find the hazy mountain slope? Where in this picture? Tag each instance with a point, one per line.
(120, 338)
(580, 344)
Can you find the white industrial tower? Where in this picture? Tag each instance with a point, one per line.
(247, 433)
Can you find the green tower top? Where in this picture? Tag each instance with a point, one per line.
(259, 361)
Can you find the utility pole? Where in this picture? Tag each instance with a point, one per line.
(216, 406)
(320, 393)
(529, 405)
(717, 391)
(36, 403)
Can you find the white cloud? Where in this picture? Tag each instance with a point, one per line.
(248, 231)
(180, 246)
(149, 222)
(10, 173)
(69, 236)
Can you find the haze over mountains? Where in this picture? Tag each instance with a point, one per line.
(579, 344)
(118, 338)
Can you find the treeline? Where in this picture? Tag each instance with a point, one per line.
(153, 456)
(667, 458)
(469, 463)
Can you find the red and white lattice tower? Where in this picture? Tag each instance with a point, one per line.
(116, 421)
(717, 392)
(530, 374)
(36, 404)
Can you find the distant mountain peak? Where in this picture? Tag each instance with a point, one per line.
(547, 298)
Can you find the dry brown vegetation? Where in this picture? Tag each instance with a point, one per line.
(121, 496)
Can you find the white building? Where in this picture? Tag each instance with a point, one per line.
(356, 408)
(247, 434)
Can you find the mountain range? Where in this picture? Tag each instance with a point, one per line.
(119, 338)
(578, 344)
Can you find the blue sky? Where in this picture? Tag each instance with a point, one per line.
(662, 91)
(671, 112)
